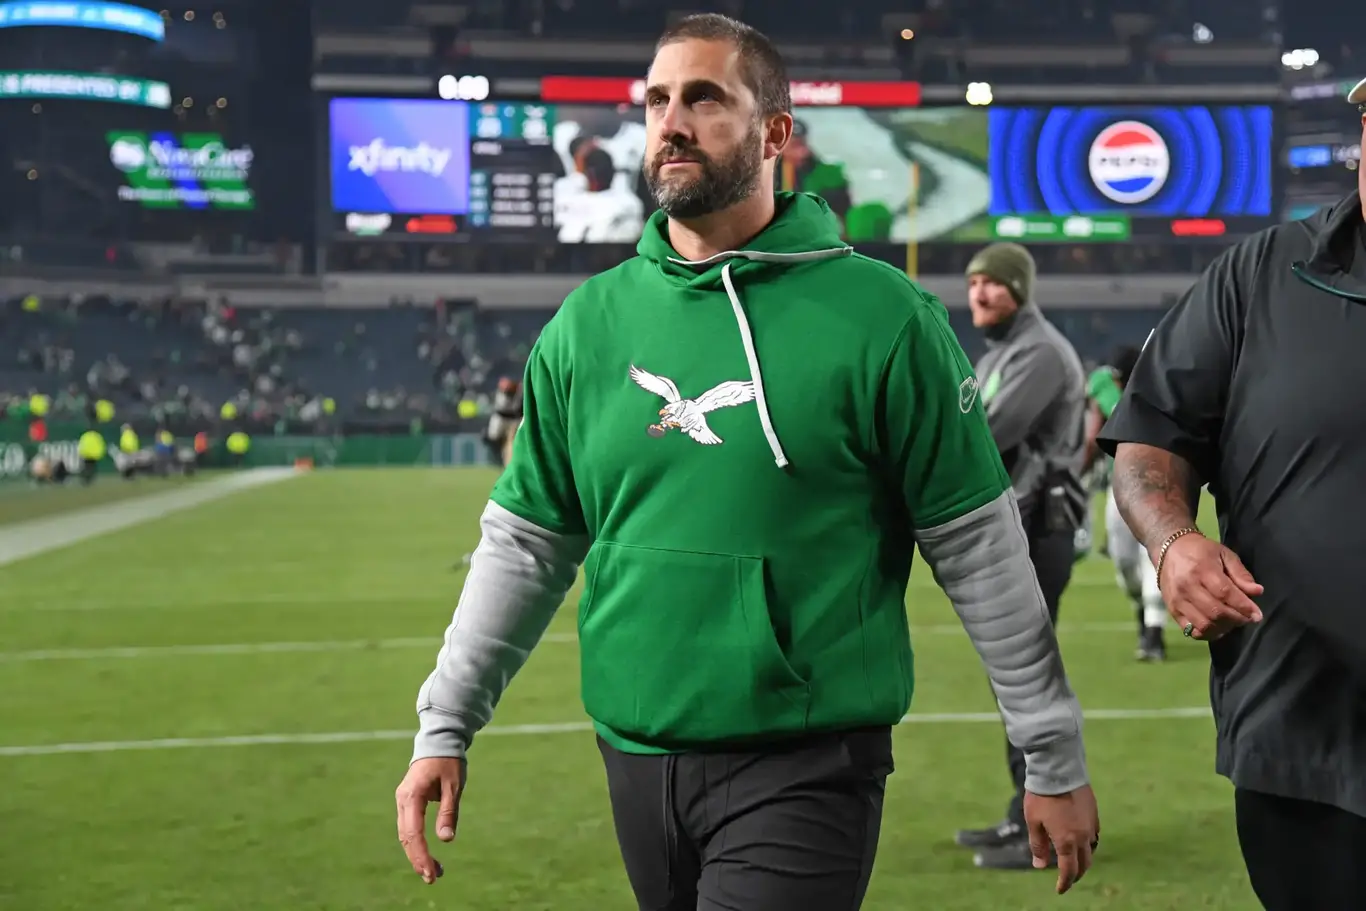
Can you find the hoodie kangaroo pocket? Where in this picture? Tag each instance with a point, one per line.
(677, 648)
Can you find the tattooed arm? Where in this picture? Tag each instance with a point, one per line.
(1166, 430)
(1156, 491)
(1167, 433)
(1207, 588)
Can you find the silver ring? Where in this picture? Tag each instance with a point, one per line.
(1187, 630)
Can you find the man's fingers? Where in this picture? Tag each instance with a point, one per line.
(1207, 595)
(1238, 606)
(1200, 610)
(1084, 855)
(412, 824)
(1230, 598)
(1212, 606)
(1039, 844)
(1235, 570)
(449, 813)
(1068, 870)
(1205, 629)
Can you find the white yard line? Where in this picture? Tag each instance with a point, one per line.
(22, 540)
(443, 598)
(237, 648)
(362, 645)
(512, 730)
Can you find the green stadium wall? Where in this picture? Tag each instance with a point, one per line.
(325, 451)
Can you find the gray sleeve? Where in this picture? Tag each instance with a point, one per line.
(519, 575)
(1031, 380)
(981, 561)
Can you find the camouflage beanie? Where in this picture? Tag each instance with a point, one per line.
(1011, 265)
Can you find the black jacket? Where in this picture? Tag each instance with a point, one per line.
(1257, 377)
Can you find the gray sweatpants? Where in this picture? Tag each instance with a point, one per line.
(784, 828)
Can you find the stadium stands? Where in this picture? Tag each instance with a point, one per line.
(409, 362)
(308, 320)
(178, 362)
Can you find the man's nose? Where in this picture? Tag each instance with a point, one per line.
(674, 125)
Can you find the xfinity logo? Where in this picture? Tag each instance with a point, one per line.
(375, 157)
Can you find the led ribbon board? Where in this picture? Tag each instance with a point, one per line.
(91, 86)
(112, 17)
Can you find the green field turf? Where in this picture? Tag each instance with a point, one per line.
(337, 586)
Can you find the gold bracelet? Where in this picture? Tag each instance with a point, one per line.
(1166, 545)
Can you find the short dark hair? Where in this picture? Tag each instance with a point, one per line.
(763, 67)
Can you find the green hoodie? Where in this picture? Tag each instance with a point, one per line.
(750, 443)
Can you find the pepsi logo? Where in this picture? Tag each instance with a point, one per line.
(1129, 162)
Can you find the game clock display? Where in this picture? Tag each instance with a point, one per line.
(1158, 171)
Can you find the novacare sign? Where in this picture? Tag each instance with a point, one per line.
(191, 170)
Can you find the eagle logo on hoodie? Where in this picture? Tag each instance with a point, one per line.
(690, 415)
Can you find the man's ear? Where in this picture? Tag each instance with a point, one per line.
(777, 134)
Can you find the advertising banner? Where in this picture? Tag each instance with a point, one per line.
(623, 90)
(161, 170)
(90, 86)
(1060, 228)
(113, 17)
(1142, 162)
(400, 155)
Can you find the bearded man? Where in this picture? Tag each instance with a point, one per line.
(742, 433)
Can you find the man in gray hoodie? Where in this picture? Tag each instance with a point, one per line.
(1034, 390)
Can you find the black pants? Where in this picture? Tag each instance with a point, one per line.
(1052, 555)
(789, 828)
(1302, 855)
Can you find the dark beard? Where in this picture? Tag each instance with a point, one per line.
(720, 185)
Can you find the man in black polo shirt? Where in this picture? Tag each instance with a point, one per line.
(1255, 384)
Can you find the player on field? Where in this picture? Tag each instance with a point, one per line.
(1133, 568)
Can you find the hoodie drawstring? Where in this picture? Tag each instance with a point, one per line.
(747, 340)
(742, 321)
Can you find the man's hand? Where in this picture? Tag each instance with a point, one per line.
(1071, 823)
(1207, 586)
(429, 781)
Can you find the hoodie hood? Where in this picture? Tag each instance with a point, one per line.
(803, 230)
